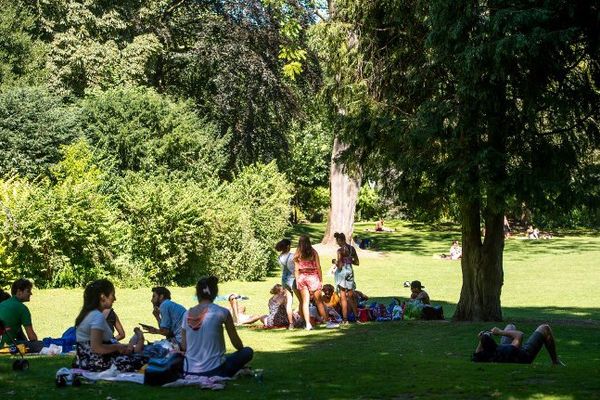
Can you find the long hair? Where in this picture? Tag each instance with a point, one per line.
(91, 297)
(305, 250)
(207, 288)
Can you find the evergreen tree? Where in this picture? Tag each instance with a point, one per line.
(481, 103)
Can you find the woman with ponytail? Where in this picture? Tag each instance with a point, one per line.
(95, 351)
(202, 336)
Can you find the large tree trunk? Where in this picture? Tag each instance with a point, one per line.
(343, 191)
(481, 264)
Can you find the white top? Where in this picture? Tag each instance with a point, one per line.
(205, 347)
(287, 260)
(93, 320)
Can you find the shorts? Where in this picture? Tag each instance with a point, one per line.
(530, 350)
(309, 281)
(344, 278)
(288, 281)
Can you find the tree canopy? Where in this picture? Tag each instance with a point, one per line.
(481, 104)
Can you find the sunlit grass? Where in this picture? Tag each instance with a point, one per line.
(553, 281)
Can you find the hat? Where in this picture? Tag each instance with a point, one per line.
(416, 284)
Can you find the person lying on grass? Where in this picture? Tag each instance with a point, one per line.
(95, 351)
(277, 316)
(202, 336)
(511, 348)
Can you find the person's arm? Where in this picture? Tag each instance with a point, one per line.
(119, 328)
(355, 260)
(296, 269)
(156, 313)
(516, 336)
(158, 331)
(31, 335)
(318, 262)
(99, 347)
(339, 263)
(232, 333)
(183, 344)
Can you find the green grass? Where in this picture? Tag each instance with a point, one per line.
(553, 281)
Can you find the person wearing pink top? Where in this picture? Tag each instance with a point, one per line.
(309, 278)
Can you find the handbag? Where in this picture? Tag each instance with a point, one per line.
(164, 370)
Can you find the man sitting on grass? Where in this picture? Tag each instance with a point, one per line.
(511, 348)
(16, 316)
(168, 314)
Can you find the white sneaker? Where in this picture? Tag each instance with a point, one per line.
(332, 325)
(308, 327)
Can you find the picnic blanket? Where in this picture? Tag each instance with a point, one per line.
(113, 375)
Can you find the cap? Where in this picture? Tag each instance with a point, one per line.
(416, 284)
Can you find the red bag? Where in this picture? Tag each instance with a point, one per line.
(364, 315)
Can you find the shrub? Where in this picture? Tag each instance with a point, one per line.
(61, 234)
(33, 125)
(137, 129)
(169, 227)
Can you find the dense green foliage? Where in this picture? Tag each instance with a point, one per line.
(22, 56)
(33, 125)
(136, 129)
(144, 229)
(62, 233)
(496, 102)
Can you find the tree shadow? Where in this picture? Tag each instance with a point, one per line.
(430, 359)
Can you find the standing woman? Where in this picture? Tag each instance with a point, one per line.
(202, 336)
(95, 352)
(344, 276)
(309, 278)
(288, 278)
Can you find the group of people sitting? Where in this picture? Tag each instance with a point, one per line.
(302, 276)
(199, 331)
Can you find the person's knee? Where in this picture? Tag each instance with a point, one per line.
(544, 329)
(247, 353)
(510, 327)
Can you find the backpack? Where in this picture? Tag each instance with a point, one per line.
(164, 370)
(432, 312)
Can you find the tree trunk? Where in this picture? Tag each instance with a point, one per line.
(481, 264)
(343, 191)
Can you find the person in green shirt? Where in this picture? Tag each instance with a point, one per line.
(16, 317)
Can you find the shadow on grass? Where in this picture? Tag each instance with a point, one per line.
(428, 359)
(377, 360)
(528, 249)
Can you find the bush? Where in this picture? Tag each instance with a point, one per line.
(179, 230)
(33, 125)
(169, 227)
(369, 205)
(253, 217)
(60, 234)
(137, 129)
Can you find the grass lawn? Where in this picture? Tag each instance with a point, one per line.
(553, 281)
